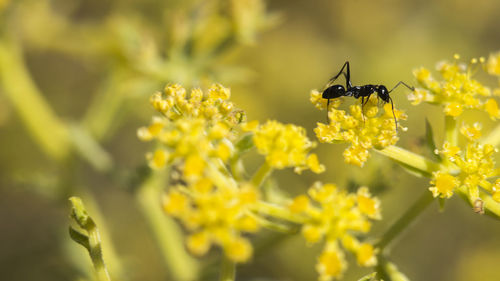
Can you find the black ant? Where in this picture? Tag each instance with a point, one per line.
(365, 91)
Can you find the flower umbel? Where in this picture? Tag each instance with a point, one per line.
(285, 146)
(457, 90)
(215, 214)
(363, 127)
(475, 163)
(197, 135)
(336, 216)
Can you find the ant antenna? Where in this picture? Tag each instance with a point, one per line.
(327, 111)
(401, 82)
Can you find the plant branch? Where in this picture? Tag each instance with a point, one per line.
(91, 240)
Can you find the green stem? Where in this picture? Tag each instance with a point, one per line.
(491, 206)
(91, 241)
(228, 270)
(277, 211)
(451, 130)
(493, 138)
(412, 160)
(405, 220)
(102, 116)
(54, 137)
(46, 128)
(114, 264)
(89, 149)
(167, 233)
(387, 270)
(261, 175)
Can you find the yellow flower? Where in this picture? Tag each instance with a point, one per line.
(491, 107)
(362, 128)
(331, 264)
(335, 215)
(493, 64)
(175, 203)
(198, 243)
(366, 255)
(453, 109)
(299, 204)
(444, 184)
(158, 159)
(457, 91)
(197, 134)
(368, 205)
(194, 166)
(285, 146)
(475, 163)
(193, 130)
(238, 249)
(217, 215)
(471, 133)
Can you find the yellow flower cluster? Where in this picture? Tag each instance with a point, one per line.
(364, 128)
(192, 129)
(284, 146)
(215, 214)
(197, 135)
(335, 216)
(457, 91)
(476, 165)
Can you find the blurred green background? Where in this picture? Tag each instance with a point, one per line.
(97, 62)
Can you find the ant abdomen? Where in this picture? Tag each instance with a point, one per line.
(333, 92)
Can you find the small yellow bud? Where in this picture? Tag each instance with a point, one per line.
(299, 204)
(198, 243)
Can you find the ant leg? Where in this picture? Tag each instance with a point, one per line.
(401, 82)
(327, 111)
(363, 109)
(346, 75)
(393, 114)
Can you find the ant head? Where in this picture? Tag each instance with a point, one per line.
(383, 93)
(334, 91)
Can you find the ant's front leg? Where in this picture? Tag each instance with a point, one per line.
(363, 103)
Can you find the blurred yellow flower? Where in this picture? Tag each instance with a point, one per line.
(493, 64)
(335, 215)
(331, 264)
(193, 129)
(217, 215)
(285, 146)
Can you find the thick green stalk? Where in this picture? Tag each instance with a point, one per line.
(261, 175)
(411, 160)
(46, 128)
(451, 130)
(279, 212)
(167, 233)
